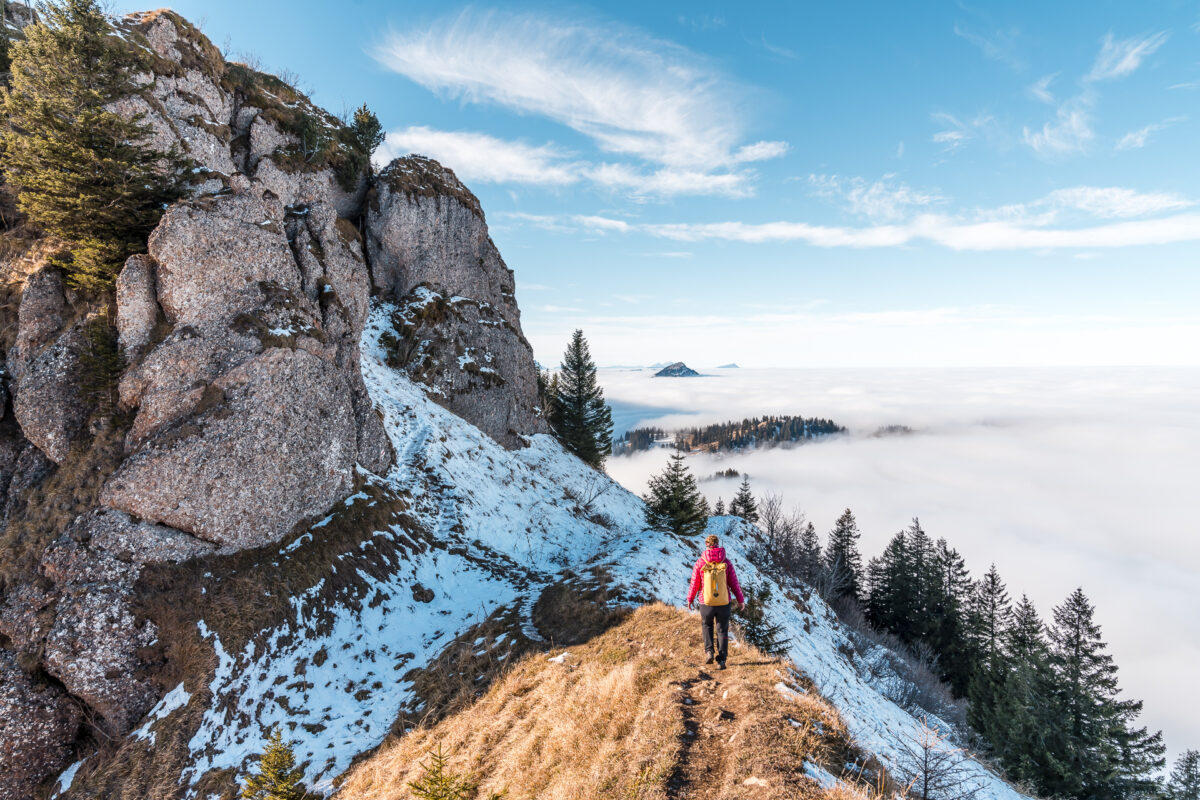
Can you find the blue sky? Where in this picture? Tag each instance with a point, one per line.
(869, 184)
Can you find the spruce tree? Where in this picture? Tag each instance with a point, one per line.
(948, 599)
(810, 555)
(743, 504)
(1184, 783)
(989, 621)
(1096, 752)
(843, 561)
(278, 776)
(439, 783)
(1021, 720)
(579, 416)
(674, 502)
(84, 173)
(368, 133)
(719, 508)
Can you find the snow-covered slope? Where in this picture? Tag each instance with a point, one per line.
(484, 529)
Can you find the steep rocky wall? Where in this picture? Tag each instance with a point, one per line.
(459, 326)
(239, 414)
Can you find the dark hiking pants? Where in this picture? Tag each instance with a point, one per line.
(720, 616)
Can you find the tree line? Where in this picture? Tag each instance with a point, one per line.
(766, 431)
(1042, 697)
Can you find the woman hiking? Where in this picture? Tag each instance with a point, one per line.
(714, 575)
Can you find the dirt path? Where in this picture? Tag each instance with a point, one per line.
(706, 749)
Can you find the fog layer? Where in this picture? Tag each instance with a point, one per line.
(1061, 477)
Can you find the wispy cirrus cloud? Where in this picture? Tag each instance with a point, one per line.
(477, 156)
(1098, 217)
(1135, 140)
(1041, 88)
(634, 96)
(1121, 57)
(882, 199)
(1069, 132)
(998, 45)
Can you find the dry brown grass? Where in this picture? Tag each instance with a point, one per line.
(632, 713)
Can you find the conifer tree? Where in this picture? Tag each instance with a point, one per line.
(278, 776)
(1095, 752)
(743, 504)
(719, 508)
(439, 783)
(810, 554)
(367, 131)
(989, 621)
(1184, 783)
(1020, 721)
(843, 561)
(949, 595)
(84, 173)
(674, 502)
(579, 416)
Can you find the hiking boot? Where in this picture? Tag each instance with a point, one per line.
(720, 665)
(708, 660)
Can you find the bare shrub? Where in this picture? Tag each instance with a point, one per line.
(934, 769)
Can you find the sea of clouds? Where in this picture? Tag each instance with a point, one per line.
(1062, 477)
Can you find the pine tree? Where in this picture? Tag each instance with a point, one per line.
(947, 603)
(1096, 752)
(439, 783)
(674, 502)
(743, 504)
(760, 631)
(84, 173)
(278, 776)
(1021, 720)
(810, 555)
(989, 620)
(1184, 783)
(719, 508)
(367, 131)
(579, 416)
(843, 561)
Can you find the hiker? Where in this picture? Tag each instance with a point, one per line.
(714, 575)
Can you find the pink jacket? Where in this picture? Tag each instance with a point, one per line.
(714, 555)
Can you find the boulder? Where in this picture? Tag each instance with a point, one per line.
(137, 305)
(47, 401)
(278, 447)
(93, 644)
(38, 725)
(40, 317)
(458, 325)
(201, 278)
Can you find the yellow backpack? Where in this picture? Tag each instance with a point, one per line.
(716, 591)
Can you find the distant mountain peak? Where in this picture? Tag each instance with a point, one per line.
(730, 365)
(677, 370)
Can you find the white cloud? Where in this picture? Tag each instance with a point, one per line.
(1119, 58)
(1027, 226)
(1034, 470)
(632, 94)
(1137, 139)
(1041, 89)
(670, 181)
(1069, 132)
(479, 157)
(999, 45)
(760, 151)
(882, 199)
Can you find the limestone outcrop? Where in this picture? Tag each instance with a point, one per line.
(458, 322)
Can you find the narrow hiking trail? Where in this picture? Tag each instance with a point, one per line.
(632, 712)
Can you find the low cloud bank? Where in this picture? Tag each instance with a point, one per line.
(1062, 477)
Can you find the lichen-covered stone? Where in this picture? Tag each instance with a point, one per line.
(47, 401)
(201, 277)
(40, 317)
(280, 447)
(38, 725)
(137, 305)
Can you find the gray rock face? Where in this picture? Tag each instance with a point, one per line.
(458, 324)
(92, 646)
(40, 317)
(47, 401)
(38, 722)
(279, 447)
(137, 305)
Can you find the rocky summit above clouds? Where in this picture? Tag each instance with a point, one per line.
(677, 370)
(238, 413)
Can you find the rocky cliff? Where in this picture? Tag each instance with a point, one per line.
(237, 412)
